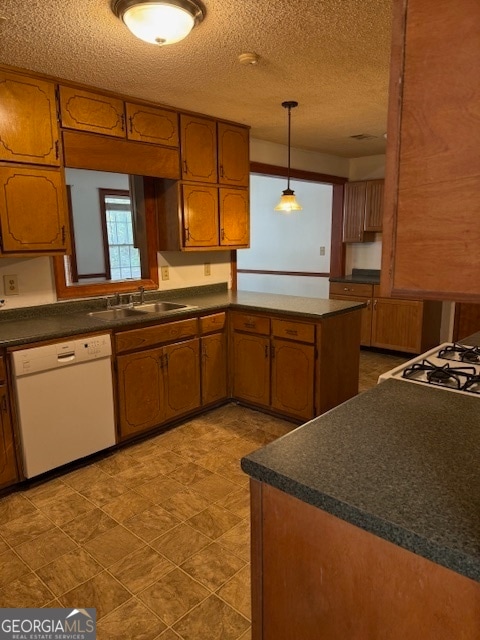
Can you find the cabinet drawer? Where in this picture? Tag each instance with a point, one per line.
(140, 338)
(215, 322)
(252, 324)
(293, 330)
(345, 288)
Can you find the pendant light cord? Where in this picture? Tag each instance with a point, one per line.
(289, 124)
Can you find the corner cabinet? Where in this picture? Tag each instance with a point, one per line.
(431, 239)
(363, 210)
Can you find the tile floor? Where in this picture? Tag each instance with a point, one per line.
(155, 536)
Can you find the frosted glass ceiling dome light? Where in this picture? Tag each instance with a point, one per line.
(159, 22)
(288, 201)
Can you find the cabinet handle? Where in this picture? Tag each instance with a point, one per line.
(160, 361)
(185, 168)
(63, 234)
(187, 233)
(369, 304)
(4, 404)
(346, 289)
(57, 152)
(374, 304)
(272, 350)
(266, 351)
(166, 360)
(222, 234)
(122, 121)
(130, 120)
(221, 170)
(291, 332)
(249, 325)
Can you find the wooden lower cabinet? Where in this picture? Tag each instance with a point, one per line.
(251, 368)
(293, 367)
(366, 327)
(156, 385)
(214, 367)
(316, 577)
(8, 464)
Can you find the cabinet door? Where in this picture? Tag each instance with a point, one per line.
(397, 324)
(366, 326)
(198, 149)
(233, 155)
(8, 464)
(150, 124)
(374, 205)
(33, 210)
(87, 111)
(251, 368)
(214, 368)
(234, 218)
(354, 211)
(140, 391)
(28, 124)
(200, 215)
(182, 377)
(293, 366)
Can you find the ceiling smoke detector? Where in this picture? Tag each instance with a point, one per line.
(248, 58)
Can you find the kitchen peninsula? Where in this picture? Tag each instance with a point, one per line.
(366, 521)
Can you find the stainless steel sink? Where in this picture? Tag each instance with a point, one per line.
(116, 314)
(161, 307)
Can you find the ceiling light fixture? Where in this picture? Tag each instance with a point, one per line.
(288, 202)
(159, 21)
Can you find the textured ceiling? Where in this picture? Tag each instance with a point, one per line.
(332, 56)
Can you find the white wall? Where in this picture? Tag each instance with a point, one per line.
(287, 242)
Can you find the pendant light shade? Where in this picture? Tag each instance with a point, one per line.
(288, 201)
(159, 22)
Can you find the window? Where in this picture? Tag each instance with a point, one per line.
(121, 256)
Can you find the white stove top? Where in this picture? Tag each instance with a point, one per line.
(450, 366)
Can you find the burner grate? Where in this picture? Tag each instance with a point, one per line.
(461, 353)
(443, 375)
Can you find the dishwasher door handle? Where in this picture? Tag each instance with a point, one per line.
(67, 357)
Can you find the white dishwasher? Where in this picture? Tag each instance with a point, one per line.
(64, 398)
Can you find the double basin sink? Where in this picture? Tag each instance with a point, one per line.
(118, 313)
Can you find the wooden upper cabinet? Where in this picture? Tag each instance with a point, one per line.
(374, 205)
(233, 155)
(151, 124)
(362, 210)
(94, 112)
(200, 215)
(28, 125)
(432, 234)
(234, 217)
(198, 139)
(33, 210)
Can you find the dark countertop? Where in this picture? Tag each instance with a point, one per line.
(32, 324)
(400, 461)
(360, 276)
(471, 341)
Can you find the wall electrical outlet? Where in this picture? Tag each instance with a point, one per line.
(164, 272)
(10, 285)
(322, 251)
(207, 269)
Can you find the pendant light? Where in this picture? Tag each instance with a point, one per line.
(159, 21)
(288, 202)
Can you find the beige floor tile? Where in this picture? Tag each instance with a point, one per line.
(241, 447)
(212, 619)
(237, 502)
(116, 463)
(104, 490)
(102, 591)
(69, 571)
(25, 528)
(26, 591)
(88, 527)
(236, 592)
(237, 540)
(169, 634)
(216, 460)
(131, 621)
(138, 474)
(214, 487)
(247, 635)
(151, 523)
(180, 543)
(214, 521)
(190, 473)
(15, 506)
(185, 504)
(11, 567)
(84, 477)
(160, 489)
(194, 449)
(54, 489)
(66, 507)
(213, 566)
(140, 569)
(164, 460)
(45, 548)
(126, 506)
(3, 546)
(113, 545)
(174, 595)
